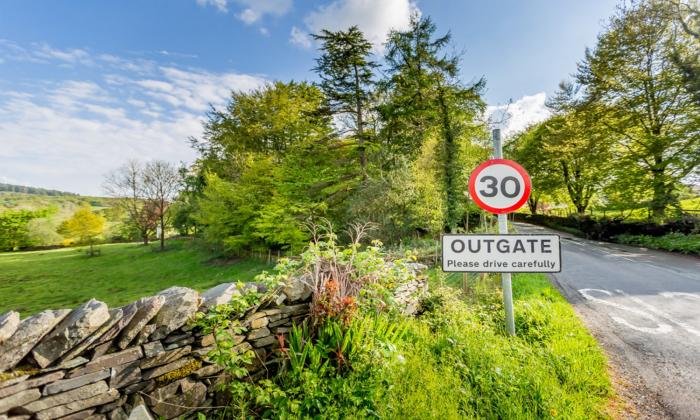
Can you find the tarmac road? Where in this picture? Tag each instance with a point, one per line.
(643, 306)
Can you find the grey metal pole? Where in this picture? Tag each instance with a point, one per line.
(506, 283)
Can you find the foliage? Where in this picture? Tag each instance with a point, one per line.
(654, 118)
(84, 226)
(60, 278)
(679, 242)
(460, 363)
(14, 228)
(346, 72)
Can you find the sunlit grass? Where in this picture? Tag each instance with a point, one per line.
(63, 278)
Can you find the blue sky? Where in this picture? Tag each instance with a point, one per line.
(86, 85)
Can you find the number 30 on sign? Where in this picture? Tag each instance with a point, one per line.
(499, 186)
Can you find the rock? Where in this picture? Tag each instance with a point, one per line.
(295, 309)
(147, 308)
(101, 349)
(19, 399)
(31, 383)
(77, 405)
(29, 332)
(72, 330)
(180, 343)
(140, 412)
(80, 415)
(72, 383)
(12, 381)
(117, 414)
(78, 394)
(207, 371)
(153, 348)
(119, 402)
(254, 287)
(166, 357)
(265, 341)
(97, 417)
(180, 305)
(281, 321)
(144, 334)
(259, 333)
(297, 289)
(115, 315)
(8, 325)
(108, 361)
(67, 365)
(162, 370)
(124, 375)
(128, 313)
(174, 399)
(145, 386)
(243, 347)
(218, 295)
(177, 337)
(259, 323)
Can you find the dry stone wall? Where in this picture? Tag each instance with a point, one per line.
(139, 361)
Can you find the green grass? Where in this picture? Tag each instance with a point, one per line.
(677, 242)
(460, 363)
(63, 278)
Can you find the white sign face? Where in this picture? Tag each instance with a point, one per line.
(501, 253)
(499, 186)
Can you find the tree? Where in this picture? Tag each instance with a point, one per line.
(687, 15)
(425, 97)
(576, 143)
(529, 148)
(161, 183)
(84, 226)
(14, 228)
(127, 185)
(192, 183)
(346, 73)
(647, 106)
(267, 121)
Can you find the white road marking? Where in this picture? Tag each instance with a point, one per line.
(662, 327)
(661, 313)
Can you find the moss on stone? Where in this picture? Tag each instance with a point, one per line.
(186, 370)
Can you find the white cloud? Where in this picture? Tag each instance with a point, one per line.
(300, 38)
(254, 10)
(221, 5)
(374, 18)
(520, 114)
(67, 134)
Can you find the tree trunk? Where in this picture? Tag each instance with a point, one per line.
(450, 188)
(532, 203)
(145, 238)
(661, 197)
(360, 124)
(162, 233)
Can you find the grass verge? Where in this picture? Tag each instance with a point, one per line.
(677, 242)
(63, 278)
(460, 362)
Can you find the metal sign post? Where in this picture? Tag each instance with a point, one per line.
(506, 284)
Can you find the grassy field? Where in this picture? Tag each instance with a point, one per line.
(64, 278)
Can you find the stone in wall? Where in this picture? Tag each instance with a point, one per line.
(28, 333)
(180, 305)
(8, 325)
(72, 330)
(147, 308)
(218, 295)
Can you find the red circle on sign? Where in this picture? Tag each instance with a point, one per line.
(526, 190)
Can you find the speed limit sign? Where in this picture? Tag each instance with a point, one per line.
(499, 186)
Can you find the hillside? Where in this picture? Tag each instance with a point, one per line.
(43, 230)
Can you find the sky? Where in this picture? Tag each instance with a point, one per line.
(87, 85)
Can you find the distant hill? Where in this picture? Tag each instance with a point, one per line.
(33, 190)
